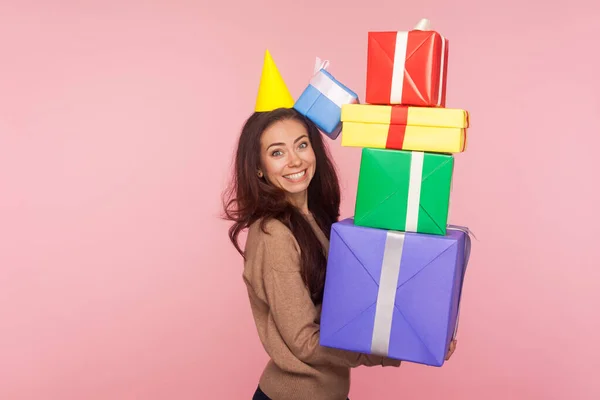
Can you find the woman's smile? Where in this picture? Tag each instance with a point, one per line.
(296, 177)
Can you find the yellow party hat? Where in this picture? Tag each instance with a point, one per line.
(272, 92)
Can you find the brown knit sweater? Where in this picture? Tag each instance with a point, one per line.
(288, 322)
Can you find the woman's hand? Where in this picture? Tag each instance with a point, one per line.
(451, 349)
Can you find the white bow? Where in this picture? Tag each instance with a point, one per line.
(320, 64)
(423, 25)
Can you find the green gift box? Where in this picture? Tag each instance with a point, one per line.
(404, 190)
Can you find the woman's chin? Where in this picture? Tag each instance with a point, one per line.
(296, 189)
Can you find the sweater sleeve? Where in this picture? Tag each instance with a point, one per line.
(292, 309)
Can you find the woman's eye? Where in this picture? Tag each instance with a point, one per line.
(303, 145)
(276, 153)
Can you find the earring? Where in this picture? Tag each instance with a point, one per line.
(260, 174)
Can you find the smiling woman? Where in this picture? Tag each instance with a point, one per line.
(285, 191)
(276, 177)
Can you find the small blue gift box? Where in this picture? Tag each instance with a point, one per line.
(322, 101)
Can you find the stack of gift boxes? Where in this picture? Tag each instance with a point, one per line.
(395, 270)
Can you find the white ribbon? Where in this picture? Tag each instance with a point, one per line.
(414, 191)
(386, 296)
(388, 284)
(332, 90)
(400, 63)
(398, 67)
(423, 25)
(320, 64)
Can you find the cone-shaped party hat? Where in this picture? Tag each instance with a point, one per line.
(272, 92)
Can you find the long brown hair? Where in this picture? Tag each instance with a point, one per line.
(249, 198)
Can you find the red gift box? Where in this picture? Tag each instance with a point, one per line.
(407, 68)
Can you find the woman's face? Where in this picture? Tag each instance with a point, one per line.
(287, 157)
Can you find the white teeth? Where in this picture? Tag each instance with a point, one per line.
(296, 175)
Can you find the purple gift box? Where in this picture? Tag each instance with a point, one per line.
(392, 293)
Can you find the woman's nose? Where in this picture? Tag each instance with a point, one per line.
(294, 159)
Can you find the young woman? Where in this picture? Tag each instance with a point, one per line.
(285, 191)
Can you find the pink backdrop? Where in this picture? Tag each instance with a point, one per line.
(117, 126)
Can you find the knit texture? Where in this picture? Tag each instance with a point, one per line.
(287, 321)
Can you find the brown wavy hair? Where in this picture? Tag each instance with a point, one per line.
(248, 198)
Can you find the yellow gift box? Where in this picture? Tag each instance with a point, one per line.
(400, 127)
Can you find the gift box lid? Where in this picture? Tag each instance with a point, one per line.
(405, 115)
(337, 82)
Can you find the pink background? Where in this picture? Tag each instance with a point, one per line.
(117, 127)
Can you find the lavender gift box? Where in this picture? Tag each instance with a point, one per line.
(393, 293)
